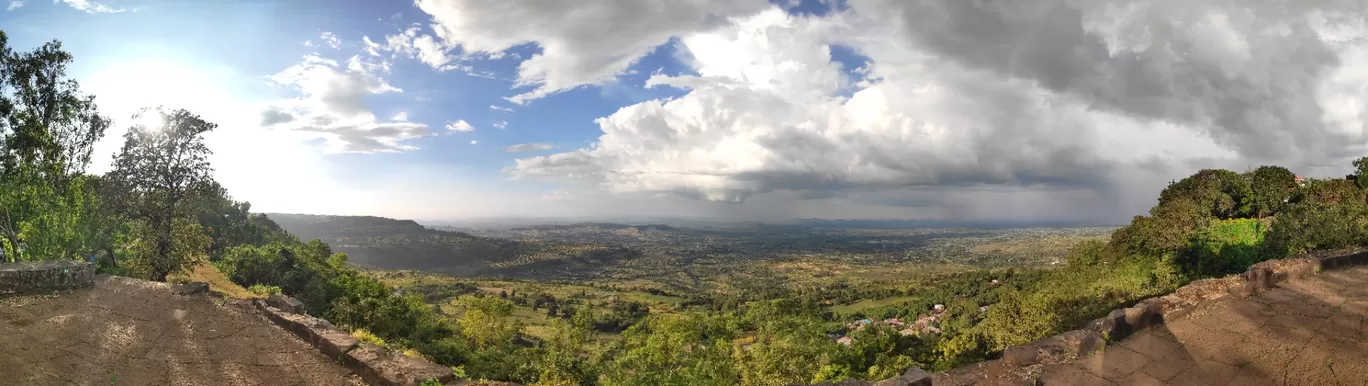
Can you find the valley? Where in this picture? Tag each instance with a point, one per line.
(721, 258)
(620, 272)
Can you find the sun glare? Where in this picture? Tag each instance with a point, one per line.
(273, 169)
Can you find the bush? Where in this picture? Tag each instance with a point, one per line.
(263, 290)
(1226, 246)
(1309, 226)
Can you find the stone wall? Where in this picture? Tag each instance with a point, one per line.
(45, 276)
(376, 365)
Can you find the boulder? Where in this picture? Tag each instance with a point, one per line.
(1021, 355)
(1142, 316)
(191, 288)
(1113, 326)
(1073, 343)
(286, 304)
(915, 376)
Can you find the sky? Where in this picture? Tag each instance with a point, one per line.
(727, 109)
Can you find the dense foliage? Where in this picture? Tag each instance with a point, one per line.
(159, 210)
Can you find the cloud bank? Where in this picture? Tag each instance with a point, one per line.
(959, 108)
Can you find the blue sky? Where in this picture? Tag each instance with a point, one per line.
(753, 109)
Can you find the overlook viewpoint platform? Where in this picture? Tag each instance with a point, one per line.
(1309, 331)
(129, 332)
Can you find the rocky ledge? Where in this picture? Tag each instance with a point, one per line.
(376, 365)
(1019, 364)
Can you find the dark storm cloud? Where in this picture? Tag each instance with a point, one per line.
(1254, 93)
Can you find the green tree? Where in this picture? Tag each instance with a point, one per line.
(1219, 192)
(1272, 186)
(48, 129)
(162, 166)
(231, 223)
(1361, 172)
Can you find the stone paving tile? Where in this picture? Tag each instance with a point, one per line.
(1113, 363)
(1206, 373)
(1152, 344)
(1068, 374)
(126, 333)
(1168, 366)
(1308, 332)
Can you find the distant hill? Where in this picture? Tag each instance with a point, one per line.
(309, 227)
(596, 226)
(385, 243)
(919, 224)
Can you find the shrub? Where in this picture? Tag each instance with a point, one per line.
(1226, 246)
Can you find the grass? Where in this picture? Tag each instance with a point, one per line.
(201, 270)
(1052, 246)
(868, 304)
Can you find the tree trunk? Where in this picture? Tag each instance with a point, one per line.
(162, 262)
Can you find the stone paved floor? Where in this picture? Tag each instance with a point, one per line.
(125, 332)
(1308, 332)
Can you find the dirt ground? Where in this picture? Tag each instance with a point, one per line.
(1308, 332)
(129, 332)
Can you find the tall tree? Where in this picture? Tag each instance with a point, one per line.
(1272, 186)
(48, 129)
(1361, 172)
(163, 165)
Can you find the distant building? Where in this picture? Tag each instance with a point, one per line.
(845, 340)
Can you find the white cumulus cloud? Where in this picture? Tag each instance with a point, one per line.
(86, 5)
(331, 40)
(983, 109)
(582, 42)
(332, 106)
(460, 126)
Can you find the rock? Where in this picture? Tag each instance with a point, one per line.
(1262, 278)
(1242, 290)
(1073, 343)
(1142, 316)
(962, 376)
(286, 303)
(1358, 258)
(915, 376)
(1111, 327)
(334, 343)
(192, 288)
(403, 370)
(1021, 355)
(359, 359)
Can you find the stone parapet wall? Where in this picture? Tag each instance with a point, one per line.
(31, 277)
(376, 365)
